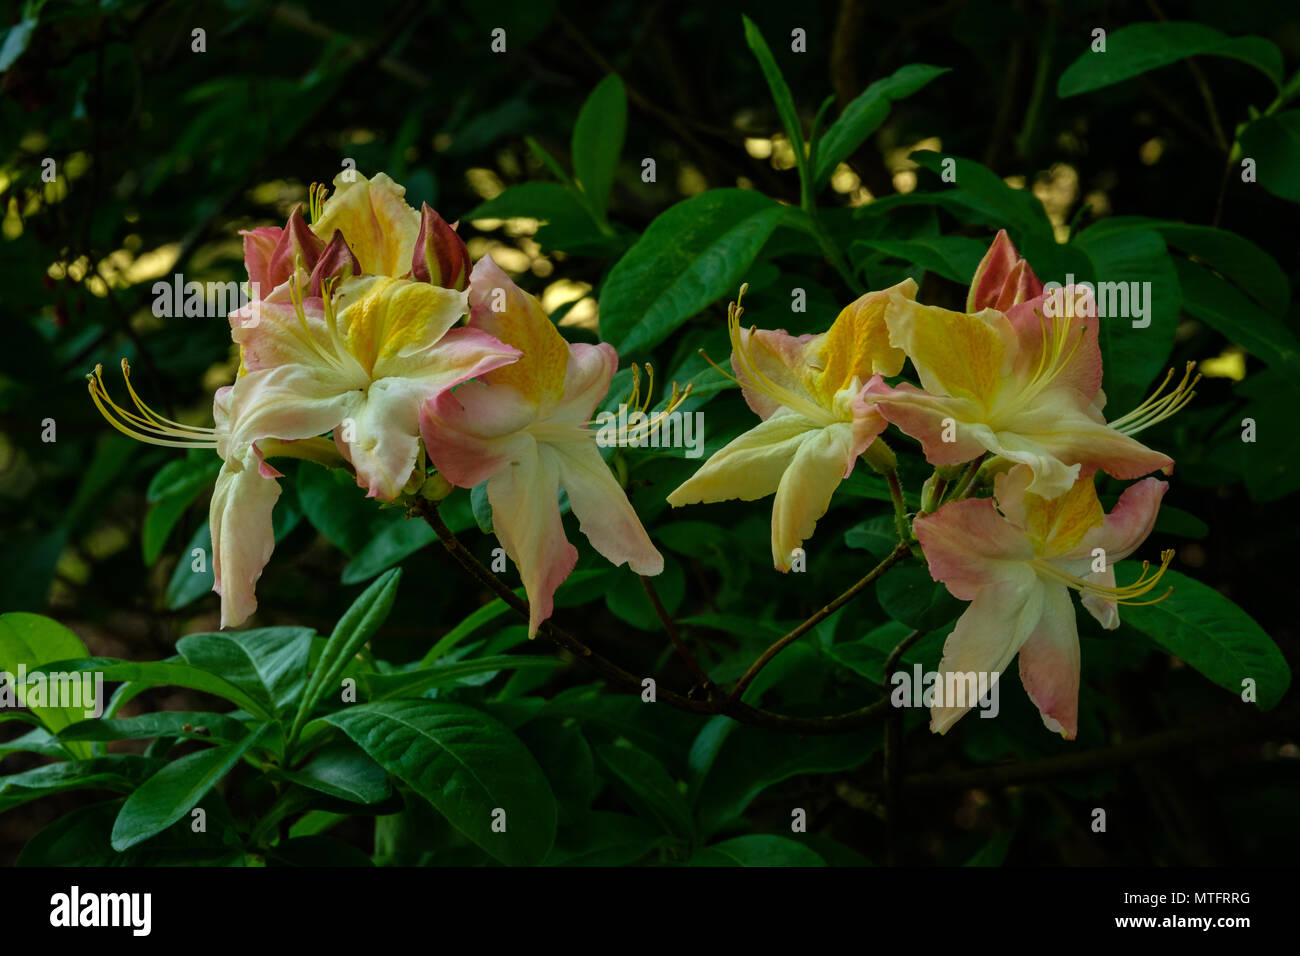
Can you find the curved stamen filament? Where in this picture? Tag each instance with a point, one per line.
(1053, 359)
(148, 426)
(1159, 406)
(1125, 594)
(753, 377)
(316, 200)
(628, 433)
(306, 337)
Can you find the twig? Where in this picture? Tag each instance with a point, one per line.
(1104, 758)
(893, 756)
(892, 559)
(616, 675)
(671, 627)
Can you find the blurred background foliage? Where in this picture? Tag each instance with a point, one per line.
(163, 153)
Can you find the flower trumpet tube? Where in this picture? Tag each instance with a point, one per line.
(1016, 558)
(813, 394)
(524, 429)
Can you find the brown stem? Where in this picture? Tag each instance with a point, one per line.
(1223, 733)
(893, 756)
(616, 675)
(893, 558)
(671, 627)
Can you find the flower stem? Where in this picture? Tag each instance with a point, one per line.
(616, 675)
(671, 627)
(966, 481)
(898, 554)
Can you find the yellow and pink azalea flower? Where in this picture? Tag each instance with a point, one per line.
(1023, 382)
(1002, 279)
(812, 393)
(1016, 557)
(523, 429)
(359, 361)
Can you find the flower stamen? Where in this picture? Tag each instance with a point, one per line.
(1125, 594)
(1159, 406)
(754, 379)
(148, 426)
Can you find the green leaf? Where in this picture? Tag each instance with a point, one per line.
(482, 507)
(1220, 306)
(742, 762)
(38, 740)
(1246, 264)
(391, 545)
(877, 535)
(467, 765)
(1274, 143)
(1252, 269)
(341, 770)
(781, 95)
(864, 115)
(598, 140)
(983, 190)
(909, 594)
(757, 849)
(1132, 356)
(163, 674)
(646, 785)
(602, 838)
(1212, 634)
(269, 663)
(693, 254)
(1140, 47)
(415, 683)
(338, 509)
(1176, 521)
(482, 616)
(174, 791)
(169, 723)
(563, 209)
(187, 584)
(627, 600)
(15, 41)
(953, 257)
(567, 760)
(172, 490)
(82, 838)
(119, 772)
(317, 851)
(357, 625)
(994, 852)
(30, 640)
(867, 655)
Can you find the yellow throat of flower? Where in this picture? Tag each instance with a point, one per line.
(742, 353)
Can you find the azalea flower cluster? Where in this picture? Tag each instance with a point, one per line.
(359, 334)
(1010, 395)
(370, 325)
